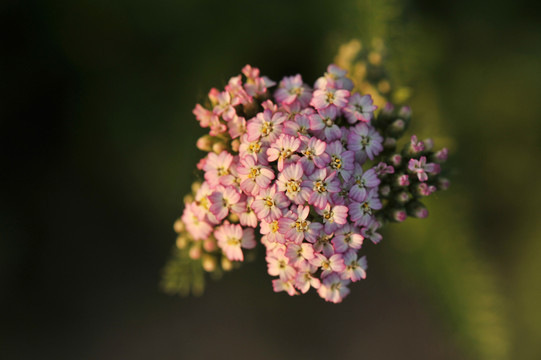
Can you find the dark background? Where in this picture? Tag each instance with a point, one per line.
(97, 144)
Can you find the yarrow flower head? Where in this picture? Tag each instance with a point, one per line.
(315, 173)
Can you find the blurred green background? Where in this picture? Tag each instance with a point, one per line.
(98, 148)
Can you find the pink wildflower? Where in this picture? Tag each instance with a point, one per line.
(355, 268)
(283, 150)
(421, 168)
(333, 289)
(322, 184)
(329, 97)
(323, 124)
(362, 212)
(347, 237)
(265, 126)
(363, 182)
(333, 263)
(224, 200)
(314, 153)
(290, 180)
(305, 278)
(365, 141)
(296, 228)
(194, 219)
(333, 217)
(269, 203)
(253, 176)
(217, 169)
(291, 89)
(335, 78)
(360, 108)
(342, 161)
(231, 238)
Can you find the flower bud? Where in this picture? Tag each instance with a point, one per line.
(204, 143)
(235, 145)
(384, 190)
(179, 226)
(443, 183)
(417, 210)
(226, 264)
(402, 197)
(195, 251)
(209, 244)
(403, 180)
(405, 112)
(234, 218)
(389, 143)
(195, 186)
(396, 160)
(428, 143)
(182, 241)
(188, 199)
(441, 156)
(209, 263)
(396, 128)
(398, 215)
(218, 147)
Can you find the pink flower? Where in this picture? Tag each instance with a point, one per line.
(278, 265)
(362, 212)
(253, 176)
(265, 126)
(342, 161)
(355, 268)
(231, 238)
(194, 219)
(421, 168)
(291, 89)
(370, 232)
(299, 253)
(253, 148)
(305, 279)
(283, 150)
(360, 108)
(269, 203)
(299, 126)
(323, 124)
(335, 78)
(363, 183)
(346, 238)
(247, 217)
(236, 126)
(416, 146)
(333, 289)
(255, 85)
(225, 106)
(290, 180)
(296, 228)
(333, 263)
(314, 153)
(217, 169)
(287, 286)
(365, 141)
(323, 184)
(272, 231)
(333, 217)
(329, 97)
(424, 189)
(224, 200)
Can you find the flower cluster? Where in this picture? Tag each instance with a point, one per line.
(312, 170)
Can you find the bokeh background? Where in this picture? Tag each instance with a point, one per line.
(98, 149)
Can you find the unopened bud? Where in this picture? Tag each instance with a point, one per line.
(399, 215)
(188, 199)
(182, 241)
(384, 86)
(387, 109)
(218, 147)
(235, 145)
(429, 144)
(443, 183)
(402, 180)
(396, 160)
(384, 190)
(226, 264)
(195, 252)
(389, 143)
(234, 218)
(204, 143)
(209, 263)
(397, 127)
(441, 156)
(405, 112)
(209, 244)
(402, 197)
(417, 210)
